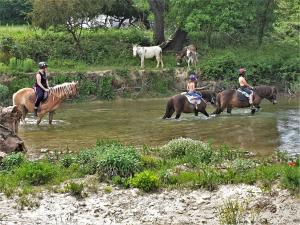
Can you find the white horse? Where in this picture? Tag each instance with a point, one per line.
(192, 57)
(148, 52)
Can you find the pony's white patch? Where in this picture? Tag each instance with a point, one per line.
(147, 53)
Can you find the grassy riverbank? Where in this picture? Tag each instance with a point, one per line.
(21, 48)
(182, 163)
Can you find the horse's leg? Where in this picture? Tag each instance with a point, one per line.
(39, 119)
(142, 62)
(51, 117)
(203, 111)
(24, 113)
(169, 110)
(178, 114)
(196, 113)
(229, 109)
(161, 62)
(157, 61)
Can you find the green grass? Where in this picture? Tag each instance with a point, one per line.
(169, 166)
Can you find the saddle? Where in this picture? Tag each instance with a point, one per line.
(242, 95)
(193, 99)
(32, 97)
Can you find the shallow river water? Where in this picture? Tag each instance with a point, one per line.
(138, 122)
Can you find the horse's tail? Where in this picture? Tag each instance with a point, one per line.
(14, 99)
(169, 109)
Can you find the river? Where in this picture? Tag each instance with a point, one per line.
(138, 122)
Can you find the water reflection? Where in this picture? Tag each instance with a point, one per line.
(139, 122)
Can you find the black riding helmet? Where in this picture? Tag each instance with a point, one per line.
(43, 65)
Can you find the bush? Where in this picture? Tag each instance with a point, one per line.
(12, 161)
(187, 147)
(13, 63)
(241, 165)
(67, 160)
(28, 65)
(119, 161)
(75, 189)
(146, 181)
(291, 179)
(36, 173)
(4, 94)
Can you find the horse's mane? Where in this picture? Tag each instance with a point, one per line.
(62, 90)
(265, 91)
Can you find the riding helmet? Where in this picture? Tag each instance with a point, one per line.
(242, 70)
(192, 77)
(43, 65)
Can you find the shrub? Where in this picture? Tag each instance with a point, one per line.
(28, 65)
(119, 161)
(241, 165)
(4, 93)
(13, 64)
(12, 161)
(187, 147)
(210, 178)
(67, 160)
(106, 90)
(146, 181)
(232, 212)
(75, 189)
(291, 179)
(36, 173)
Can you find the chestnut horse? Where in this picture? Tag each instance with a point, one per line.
(180, 104)
(229, 99)
(25, 99)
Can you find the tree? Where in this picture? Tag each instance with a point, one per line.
(69, 14)
(158, 9)
(14, 12)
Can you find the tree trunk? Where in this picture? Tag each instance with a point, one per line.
(158, 8)
(176, 41)
(263, 21)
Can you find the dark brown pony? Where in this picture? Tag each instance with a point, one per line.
(180, 104)
(229, 99)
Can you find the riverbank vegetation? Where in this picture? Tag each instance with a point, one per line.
(264, 39)
(182, 163)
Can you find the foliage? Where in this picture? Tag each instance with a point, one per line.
(106, 89)
(231, 212)
(67, 160)
(75, 189)
(146, 180)
(4, 94)
(119, 161)
(291, 179)
(14, 12)
(36, 173)
(181, 146)
(11, 161)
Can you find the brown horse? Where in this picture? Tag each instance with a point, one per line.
(229, 99)
(25, 99)
(180, 104)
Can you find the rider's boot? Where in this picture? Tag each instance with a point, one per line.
(35, 111)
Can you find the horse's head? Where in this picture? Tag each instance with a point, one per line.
(209, 96)
(273, 97)
(134, 50)
(268, 92)
(74, 89)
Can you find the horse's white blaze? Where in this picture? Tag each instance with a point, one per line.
(148, 52)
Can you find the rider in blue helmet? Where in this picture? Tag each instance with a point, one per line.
(191, 87)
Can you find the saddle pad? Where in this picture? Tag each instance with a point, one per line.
(242, 95)
(195, 100)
